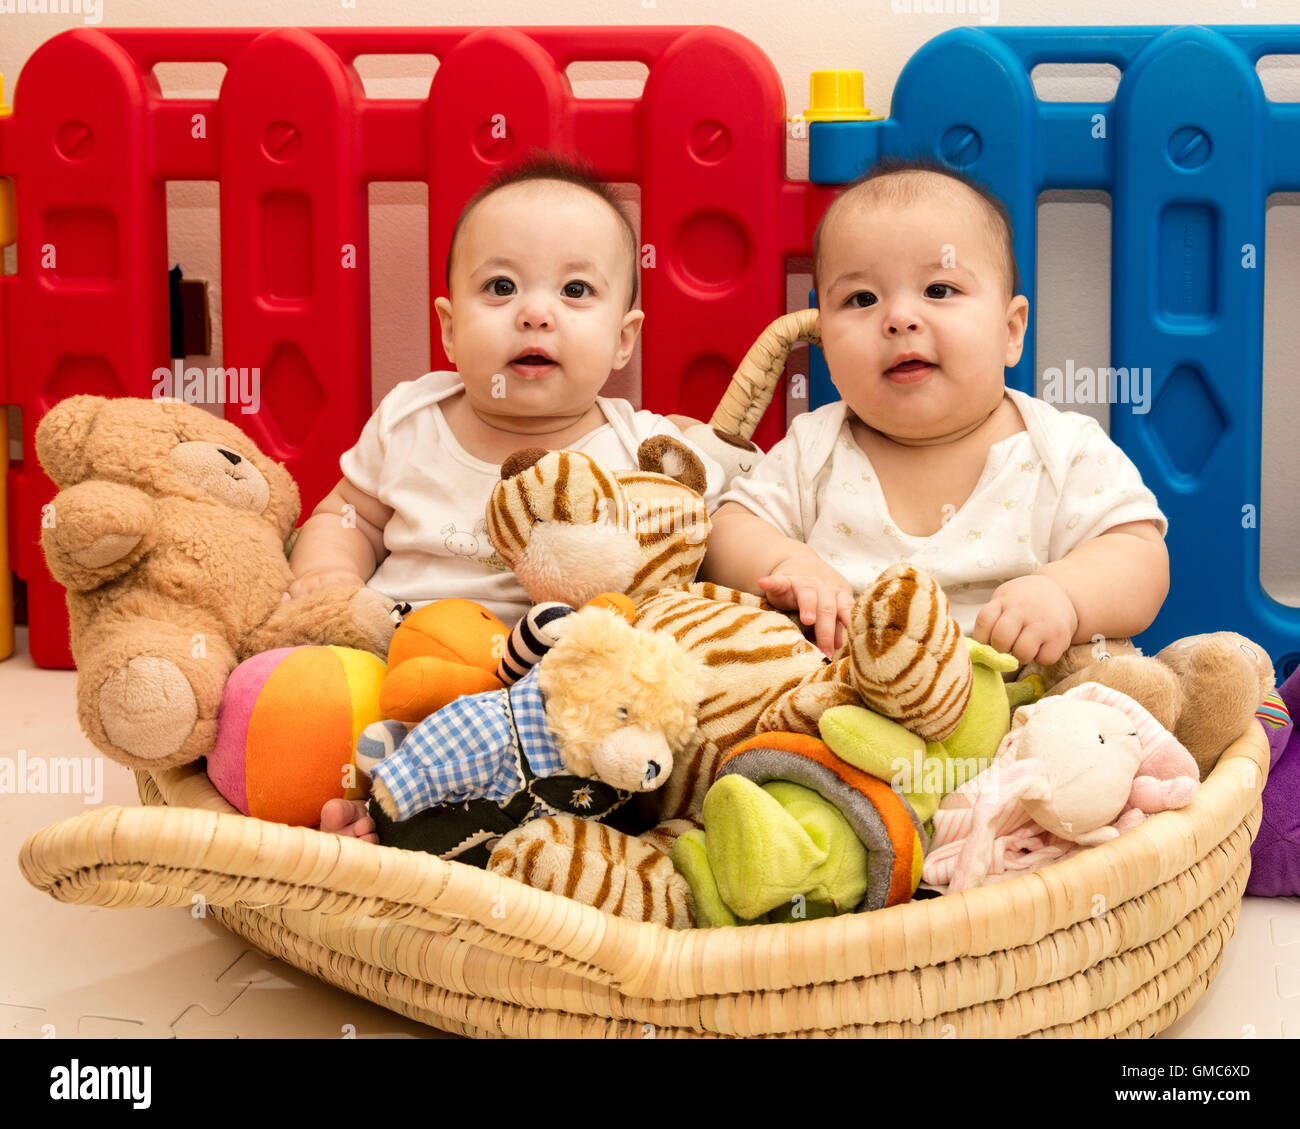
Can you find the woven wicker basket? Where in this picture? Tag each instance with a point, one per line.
(1119, 940)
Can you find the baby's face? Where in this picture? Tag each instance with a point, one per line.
(922, 281)
(538, 311)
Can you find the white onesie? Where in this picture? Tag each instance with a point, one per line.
(437, 541)
(1044, 491)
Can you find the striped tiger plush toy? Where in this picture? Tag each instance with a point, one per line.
(903, 657)
(904, 649)
(598, 866)
(571, 529)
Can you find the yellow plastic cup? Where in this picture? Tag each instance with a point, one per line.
(837, 97)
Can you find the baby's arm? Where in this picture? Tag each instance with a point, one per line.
(342, 542)
(747, 552)
(1117, 581)
(1112, 586)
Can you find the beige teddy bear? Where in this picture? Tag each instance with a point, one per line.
(1204, 689)
(169, 534)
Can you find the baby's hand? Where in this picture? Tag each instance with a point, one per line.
(820, 593)
(308, 582)
(1030, 617)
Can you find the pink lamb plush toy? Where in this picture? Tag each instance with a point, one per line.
(1075, 770)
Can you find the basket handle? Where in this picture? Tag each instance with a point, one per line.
(755, 382)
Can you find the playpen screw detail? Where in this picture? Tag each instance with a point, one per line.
(960, 145)
(1189, 148)
(493, 140)
(75, 140)
(281, 141)
(710, 141)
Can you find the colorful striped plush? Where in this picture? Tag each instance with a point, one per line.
(1275, 853)
(287, 731)
(882, 820)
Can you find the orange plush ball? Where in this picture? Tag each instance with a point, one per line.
(287, 731)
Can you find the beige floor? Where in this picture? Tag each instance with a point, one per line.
(73, 970)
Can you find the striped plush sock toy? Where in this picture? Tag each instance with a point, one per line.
(541, 629)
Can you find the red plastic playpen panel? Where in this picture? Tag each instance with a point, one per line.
(293, 141)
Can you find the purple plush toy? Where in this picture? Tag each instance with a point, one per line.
(1275, 855)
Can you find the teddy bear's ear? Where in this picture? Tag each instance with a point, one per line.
(61, 437)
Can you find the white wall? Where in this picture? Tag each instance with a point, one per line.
(1072, 308)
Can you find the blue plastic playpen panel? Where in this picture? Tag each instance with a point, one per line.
(1189, 150)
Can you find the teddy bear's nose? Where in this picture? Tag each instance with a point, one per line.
(235, 460)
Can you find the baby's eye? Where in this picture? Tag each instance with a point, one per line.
(862, 299)
(577, 289)
(939, 286)
(500, 287)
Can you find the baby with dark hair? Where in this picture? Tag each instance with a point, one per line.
(542, 284)
(1034, 523)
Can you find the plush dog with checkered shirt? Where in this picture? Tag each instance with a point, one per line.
(599, 719)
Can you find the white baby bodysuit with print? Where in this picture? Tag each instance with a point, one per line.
(437, 540)
(1043, 492)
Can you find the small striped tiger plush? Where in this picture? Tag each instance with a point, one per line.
(571, 529)
(903, 656)
(904, 648)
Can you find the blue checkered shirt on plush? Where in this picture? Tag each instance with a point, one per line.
(465, 751)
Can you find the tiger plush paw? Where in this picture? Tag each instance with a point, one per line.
(909, 661)
(904, 657)
(597, 866)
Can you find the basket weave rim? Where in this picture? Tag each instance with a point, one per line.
(1059, 983)
(640, 959)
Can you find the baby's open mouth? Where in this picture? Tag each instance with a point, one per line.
(915, 371)
(532, 359)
